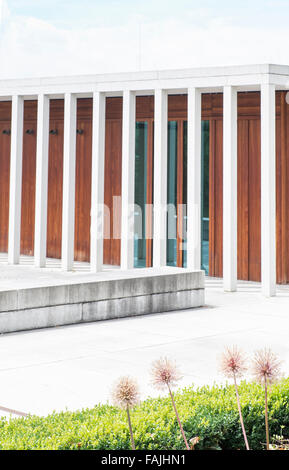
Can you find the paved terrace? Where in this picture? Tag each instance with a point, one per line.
(74, 366)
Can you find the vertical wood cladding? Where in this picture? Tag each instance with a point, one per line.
(254, 215)
(282, 183)
(149, 201)
(249, 178)
(249, 184)
(5, 142)
(178, 111)
(28, 178)
(83, 180)
(112, 181)
(113, 162)
(55, 179)
(216, 199)
(243, 199)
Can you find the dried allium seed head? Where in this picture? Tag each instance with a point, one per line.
(233, 362)
(126, 393)
(266, 365)
(165, 373)
(194, 441)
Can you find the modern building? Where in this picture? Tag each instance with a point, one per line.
(186, 168)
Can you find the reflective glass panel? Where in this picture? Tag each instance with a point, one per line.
(185, 187)
(172, 194)
(140, 194)
(205, 194)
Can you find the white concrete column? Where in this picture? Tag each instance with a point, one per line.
(160, 179)
(15, 179)
(268, 189)
(69, 156)
(97, 182)
(230, 153)
(41, 181)
(194, 179)
(128, 180)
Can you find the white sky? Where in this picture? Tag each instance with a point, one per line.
(64, 37)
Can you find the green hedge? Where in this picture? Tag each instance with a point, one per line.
(208, 412)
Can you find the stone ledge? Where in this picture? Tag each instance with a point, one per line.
(107, 288)
(47, 317)
(45, 307)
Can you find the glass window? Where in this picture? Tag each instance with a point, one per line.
(185, 187)
(172, 194)
(205, 194)
(140, 194)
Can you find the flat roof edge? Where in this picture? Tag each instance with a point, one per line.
(199, 72)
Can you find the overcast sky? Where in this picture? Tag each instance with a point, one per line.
(64, 37)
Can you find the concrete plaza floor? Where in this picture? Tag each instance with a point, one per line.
(74, 367)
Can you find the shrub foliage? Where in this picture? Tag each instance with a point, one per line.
(208, 412)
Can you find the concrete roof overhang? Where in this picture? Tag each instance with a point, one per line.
(208, 79)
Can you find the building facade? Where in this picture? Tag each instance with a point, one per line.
(182, 168)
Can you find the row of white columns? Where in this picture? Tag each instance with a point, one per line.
(160, 182)
(268, 189)
(69, 160)
(230, 152)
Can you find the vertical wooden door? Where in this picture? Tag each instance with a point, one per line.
(249, 187)
(112, 193)
(216, 199)
(83, 180)
(149, 201)
(282, 187)
(5, 143)
(254, 216)
(28, 178)
(55, 179)
(243, 199)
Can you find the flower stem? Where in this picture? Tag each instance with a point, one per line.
(240, 414)
(179, 421)
(130, 429)
(266, 415)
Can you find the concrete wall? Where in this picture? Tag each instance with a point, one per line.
(43, 307)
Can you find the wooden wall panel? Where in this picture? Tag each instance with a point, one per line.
(5, 143)
(112, 181)
(282, 185)
(178, 111)
(55, 180)
(150, 185)
(28, 178)
(219, 200)
(281, 260)
(254, 258)
(216, 199)
(180, 193)
(243, 199)
(248, 106)
(83, 180)
(212, 178)
(249, 184)
(113, 162)
(249, 187)
(177, 107)
(249, 172)
(144, 108)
